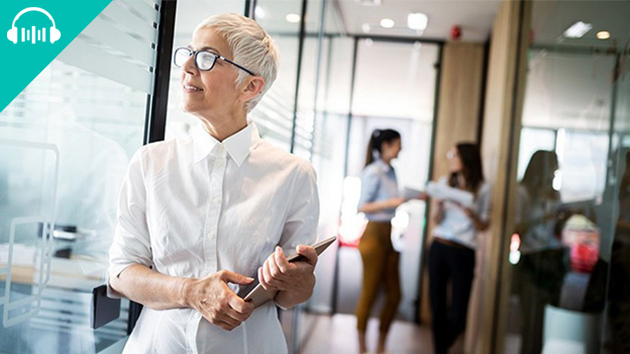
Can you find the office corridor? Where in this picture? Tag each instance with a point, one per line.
(337, 334)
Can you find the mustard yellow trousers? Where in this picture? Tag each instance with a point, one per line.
(380, 268)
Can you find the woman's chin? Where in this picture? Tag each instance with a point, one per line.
(188, 107)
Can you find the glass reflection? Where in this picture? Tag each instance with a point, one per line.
(569, 247)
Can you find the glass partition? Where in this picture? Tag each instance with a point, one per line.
(274, 114)
(568, 252)
(65, 143)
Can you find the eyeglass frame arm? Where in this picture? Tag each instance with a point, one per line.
(195, 53)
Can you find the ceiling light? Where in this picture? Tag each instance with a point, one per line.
(603, 35)
(578, 30)
(259, 12)
(369, 2)
(366, 28)
(387, 23)
(417, 21)
(293, 18)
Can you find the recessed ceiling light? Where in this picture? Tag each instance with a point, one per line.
(369, 2)
(293, 18)
(417, 21)
(387, 23)
(577, 30)
(259, 12)
(366, 28)
(603, 35)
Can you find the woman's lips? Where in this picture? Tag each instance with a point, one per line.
(188, 88)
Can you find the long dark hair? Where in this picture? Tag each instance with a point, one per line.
(472, 168)
(376, 142)
(539, 174)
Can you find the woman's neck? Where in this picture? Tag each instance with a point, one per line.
(222, 129)
(461, 180)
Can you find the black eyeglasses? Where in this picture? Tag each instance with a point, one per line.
(204, 60)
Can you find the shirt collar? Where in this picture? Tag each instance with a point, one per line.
(238, 145)
(385, 167)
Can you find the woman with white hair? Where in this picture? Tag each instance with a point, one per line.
(199, 216)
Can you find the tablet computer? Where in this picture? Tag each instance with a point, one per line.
(258, 295)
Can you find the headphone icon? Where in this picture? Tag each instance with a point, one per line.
(30, 35)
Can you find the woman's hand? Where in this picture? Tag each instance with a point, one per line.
(479, 224)
(216, 302)
(294, 280)
(423, 196)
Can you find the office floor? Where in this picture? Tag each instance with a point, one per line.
(337, 335)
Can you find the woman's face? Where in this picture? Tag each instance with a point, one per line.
(216, 92)
(390, 150)
(454, 161)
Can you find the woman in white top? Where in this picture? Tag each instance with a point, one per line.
(199, 216)
(452, 254)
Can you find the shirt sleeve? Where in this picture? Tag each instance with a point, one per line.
(483, 203)
(369, 186)
(131, 243)
(300, 227)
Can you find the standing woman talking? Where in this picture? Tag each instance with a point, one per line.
(379, 200)
(452, 254)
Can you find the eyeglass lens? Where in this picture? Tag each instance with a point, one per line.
(204, 60)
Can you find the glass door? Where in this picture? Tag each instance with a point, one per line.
(65, 142)
(568, 253)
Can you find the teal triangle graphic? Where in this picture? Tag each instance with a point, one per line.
(34, 33)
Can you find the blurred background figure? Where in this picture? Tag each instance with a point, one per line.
(619, 294)
(379, 200)
(452, 254)
(540, 271)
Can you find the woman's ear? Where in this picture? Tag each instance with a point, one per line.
(253, 88)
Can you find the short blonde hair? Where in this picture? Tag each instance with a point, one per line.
(251, 46)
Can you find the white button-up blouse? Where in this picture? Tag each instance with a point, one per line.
(193, 206)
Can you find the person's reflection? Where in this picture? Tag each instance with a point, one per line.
(539, 273)
(618, 288)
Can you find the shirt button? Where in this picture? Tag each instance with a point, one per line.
(217, 201)
(211, 235)
(220, 148)
(220, 163)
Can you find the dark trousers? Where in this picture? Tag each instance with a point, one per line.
(455, 265)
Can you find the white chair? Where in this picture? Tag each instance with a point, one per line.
(571, 332)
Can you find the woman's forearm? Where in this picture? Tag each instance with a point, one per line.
(438, 212)
(380, 205)
(150, 288)
(479, 224)
(373, 207)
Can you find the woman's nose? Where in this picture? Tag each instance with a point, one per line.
(189, 65)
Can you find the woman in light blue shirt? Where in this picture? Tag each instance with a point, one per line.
(379, 200)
